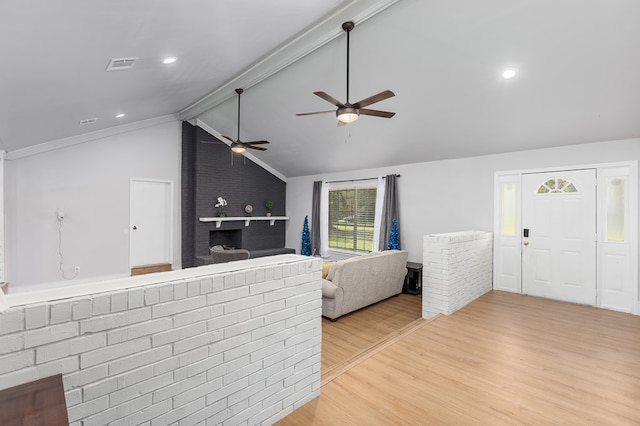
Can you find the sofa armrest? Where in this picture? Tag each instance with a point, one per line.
(329, 289)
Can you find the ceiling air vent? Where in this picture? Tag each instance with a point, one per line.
(88, 121)
(121, 64)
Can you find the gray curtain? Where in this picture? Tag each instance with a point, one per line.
(389, 211)
(315, 218)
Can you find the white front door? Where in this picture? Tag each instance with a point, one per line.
(151, 224)
(559, 235)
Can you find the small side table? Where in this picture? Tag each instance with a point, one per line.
(413, 279)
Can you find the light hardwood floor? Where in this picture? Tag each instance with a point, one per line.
(358, 331)
(503, 359)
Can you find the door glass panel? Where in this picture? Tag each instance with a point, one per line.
(615, 220)
(556, 186)
(509, 209)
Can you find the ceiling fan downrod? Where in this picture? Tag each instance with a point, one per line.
(347, 27)
(239, 92)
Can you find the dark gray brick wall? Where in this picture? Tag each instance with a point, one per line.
(188, 196)
(209, 173)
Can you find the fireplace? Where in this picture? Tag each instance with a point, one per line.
(225, 237)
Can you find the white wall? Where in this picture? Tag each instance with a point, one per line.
(452, 195)
(91, 182)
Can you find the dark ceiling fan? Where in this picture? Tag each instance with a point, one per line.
(348, 112)
(238, 146)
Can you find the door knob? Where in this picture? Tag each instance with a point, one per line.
(135, 227)
(526, 243)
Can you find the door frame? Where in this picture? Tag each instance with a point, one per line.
(131, 218)
(514, 283)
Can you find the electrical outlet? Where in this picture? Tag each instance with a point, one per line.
(76, 269)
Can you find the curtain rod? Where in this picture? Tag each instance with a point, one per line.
(356, 180)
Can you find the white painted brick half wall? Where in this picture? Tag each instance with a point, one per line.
(457, 269)
(237, 347)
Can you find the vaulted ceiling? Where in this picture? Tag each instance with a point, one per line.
(576, 81)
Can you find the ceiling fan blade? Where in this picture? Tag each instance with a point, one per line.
(329, 98)
(376, 113)
(256, 142)
(259, 148)
(316, 112)
(373, 99)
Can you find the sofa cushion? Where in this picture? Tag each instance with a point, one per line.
(326, 267)
(329, 289)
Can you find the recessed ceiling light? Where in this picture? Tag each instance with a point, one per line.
(169, 60)
(509, 73)
(122, 114)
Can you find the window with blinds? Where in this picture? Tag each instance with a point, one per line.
(351, 217)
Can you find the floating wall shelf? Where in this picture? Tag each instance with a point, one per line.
(247, 219)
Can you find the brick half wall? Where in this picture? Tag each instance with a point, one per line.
(215, 343)
(457, 269)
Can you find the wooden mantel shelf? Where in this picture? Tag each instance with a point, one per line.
(247, 219)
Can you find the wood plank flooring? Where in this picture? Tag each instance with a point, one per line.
(150, 269)
(504, 359)
(358, 331)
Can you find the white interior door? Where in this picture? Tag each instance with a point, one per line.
(559, 235)
(151, 224)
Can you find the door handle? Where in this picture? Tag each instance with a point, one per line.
(526, 243)
(135, 227)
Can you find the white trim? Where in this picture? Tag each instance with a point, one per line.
(351, 184)
(87, 137)
(567, 168)
(171, 217)
(3, 242)
(306, 43)
(631, 198)
(500, 241)
(324, 220)
(204, 126)
(633, 177)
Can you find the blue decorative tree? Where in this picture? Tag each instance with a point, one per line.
(306, 238)
(394, 238)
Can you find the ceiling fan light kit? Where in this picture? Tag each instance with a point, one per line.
(238, 146)
(348, 112)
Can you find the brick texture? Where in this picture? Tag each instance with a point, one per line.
(208, 173)
(457, 269)
(201, 353)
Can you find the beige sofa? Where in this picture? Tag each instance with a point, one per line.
(363, 280)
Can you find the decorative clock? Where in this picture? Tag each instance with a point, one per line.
(248, 209)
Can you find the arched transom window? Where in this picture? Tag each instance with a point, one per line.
(556, 186)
